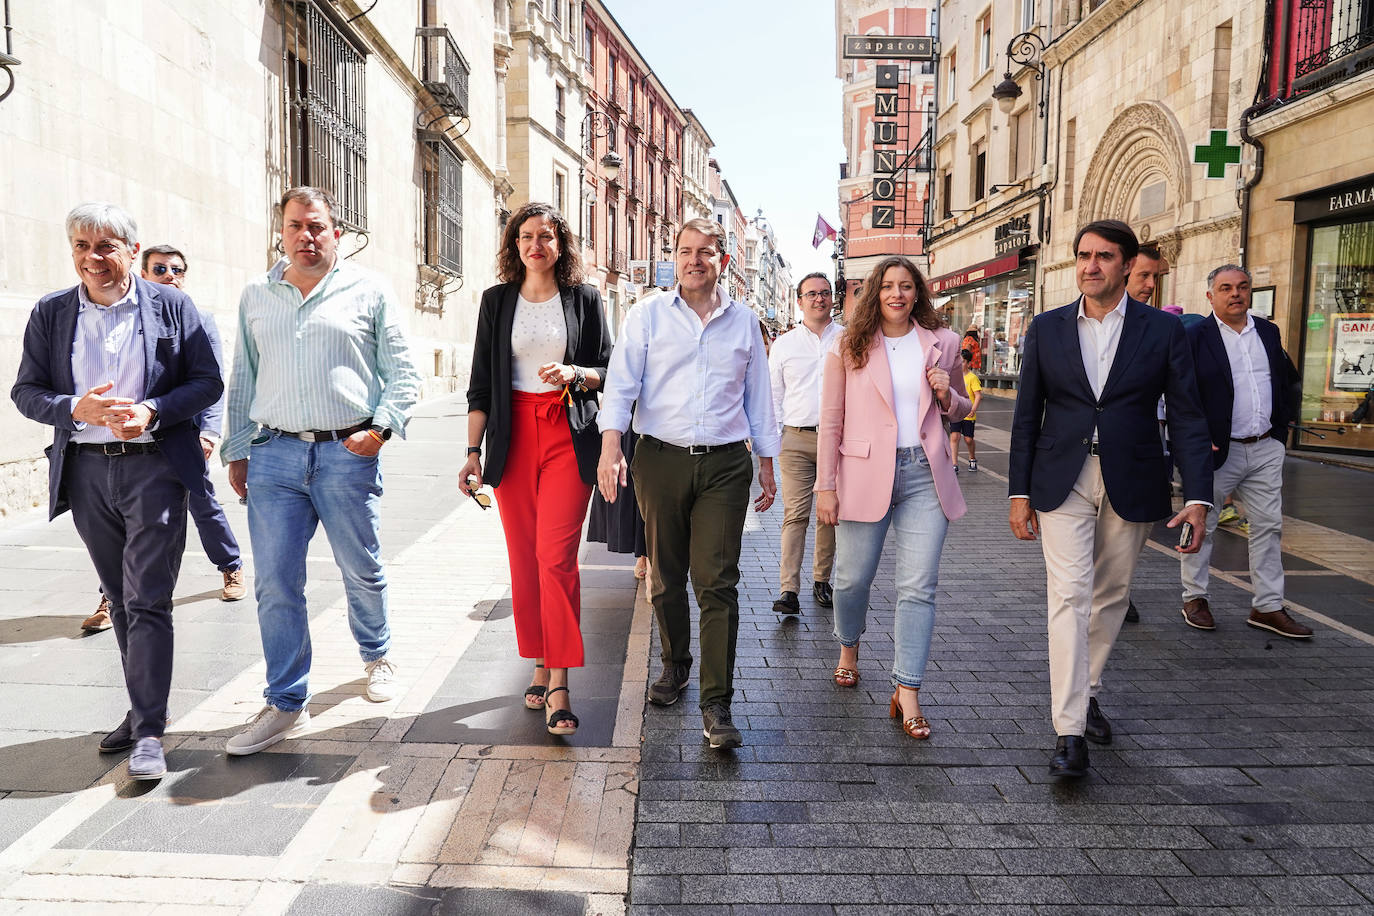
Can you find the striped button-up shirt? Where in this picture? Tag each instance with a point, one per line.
(108, 348)
(329, 360)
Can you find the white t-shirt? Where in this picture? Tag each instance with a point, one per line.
(538, 336)
(907, 361)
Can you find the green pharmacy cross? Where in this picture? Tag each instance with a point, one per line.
(1216, 154)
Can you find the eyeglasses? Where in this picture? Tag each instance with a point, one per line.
(813, 295)
(482, 499)
(161, 269)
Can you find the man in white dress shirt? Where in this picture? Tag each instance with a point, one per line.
(694, 361)
(794, 367)
(1246, 383)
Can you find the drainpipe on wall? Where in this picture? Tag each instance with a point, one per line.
(1250, 182)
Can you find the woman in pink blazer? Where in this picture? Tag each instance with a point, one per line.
(883, 461)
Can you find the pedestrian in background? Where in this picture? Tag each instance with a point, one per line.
(694, 361)
(539, 359)
(883, 462)
(120, 367)
(794, 366)
(963, 429)
(322, 378)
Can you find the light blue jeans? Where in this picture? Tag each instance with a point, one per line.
(292, 487)
(920, 525)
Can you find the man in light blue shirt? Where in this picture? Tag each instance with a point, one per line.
(695, 363)
(322, 378)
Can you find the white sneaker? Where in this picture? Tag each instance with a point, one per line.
(381, 681)
(267, 728)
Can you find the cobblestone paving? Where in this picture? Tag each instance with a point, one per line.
(1241, 776)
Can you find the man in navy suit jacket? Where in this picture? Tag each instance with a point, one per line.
(1247, 384)
(119, 367)
(1086, 455)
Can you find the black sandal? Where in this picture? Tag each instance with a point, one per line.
(561, 721)
(537, 692)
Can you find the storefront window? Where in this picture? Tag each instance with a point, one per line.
(1338, 351)
(1002, 308)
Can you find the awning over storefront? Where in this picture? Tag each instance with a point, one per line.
(977, 272)
(1347, 199)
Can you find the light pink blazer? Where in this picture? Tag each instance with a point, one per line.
(856, 448)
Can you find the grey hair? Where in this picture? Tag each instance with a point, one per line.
(87, 217)
(1225, 267)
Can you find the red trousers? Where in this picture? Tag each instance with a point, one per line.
(543, 503)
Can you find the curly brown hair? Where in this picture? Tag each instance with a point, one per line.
(865, 319)
(568, 269)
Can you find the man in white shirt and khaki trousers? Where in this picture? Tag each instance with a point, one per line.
(694, 361)
(1087, 457)
(794, 365)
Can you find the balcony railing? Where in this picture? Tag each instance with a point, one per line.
(444, 72)
(1332, 41)
(636, 188)
(619, 262)
(657, 205)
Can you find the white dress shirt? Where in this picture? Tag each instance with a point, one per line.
(1098, 341)
(695, 383)
(1252, 408)
(794, 368)
(108, 347)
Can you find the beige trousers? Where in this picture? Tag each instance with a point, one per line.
(1090, 555)
(797, 468)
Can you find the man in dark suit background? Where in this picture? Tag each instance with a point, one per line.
(1086, 455)
(119, 367)
(1246, 383)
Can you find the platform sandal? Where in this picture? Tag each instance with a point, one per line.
(846, 677)
(534, 695)
(561, 721)
(916, 727)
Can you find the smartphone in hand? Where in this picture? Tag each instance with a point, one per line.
(1185, 536)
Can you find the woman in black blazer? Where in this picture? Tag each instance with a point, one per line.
(541, 354)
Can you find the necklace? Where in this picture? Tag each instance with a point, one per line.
(893, 343)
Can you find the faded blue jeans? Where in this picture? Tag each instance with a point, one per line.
(293, 486)
(920, 525)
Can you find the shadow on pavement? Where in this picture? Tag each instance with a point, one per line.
(16, 630)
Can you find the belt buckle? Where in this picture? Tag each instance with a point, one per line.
(699, 449)
(307, 435)
(111, 449)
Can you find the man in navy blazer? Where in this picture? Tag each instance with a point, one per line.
(119, 367)
(1087, 457)
(1248, 385)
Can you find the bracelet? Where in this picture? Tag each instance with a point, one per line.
(579, 378)
(376, 435)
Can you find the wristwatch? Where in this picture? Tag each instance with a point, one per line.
(474, 450)
(383, 431)
(579, 378)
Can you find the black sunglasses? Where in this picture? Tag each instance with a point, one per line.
(161, 269)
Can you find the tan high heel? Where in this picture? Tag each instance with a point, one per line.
(916, 727)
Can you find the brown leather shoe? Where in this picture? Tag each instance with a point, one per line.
(1196, 613)
(1279, 622)
(234, 589)
(100, 620)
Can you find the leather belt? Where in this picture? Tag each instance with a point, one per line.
(1250, 440)
(803, 429)
(322, 435)
(690, 449)
(115, 449)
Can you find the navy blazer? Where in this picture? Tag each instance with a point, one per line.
(181, 378)
(489, 385)
(1056, 411)
(1216, 387)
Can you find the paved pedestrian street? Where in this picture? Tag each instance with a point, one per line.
(1241, 776)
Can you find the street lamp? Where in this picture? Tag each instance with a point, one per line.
(1025, 49)
(595, 124)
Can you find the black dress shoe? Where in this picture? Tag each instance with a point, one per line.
(787, 603)
(825, 595)
(1132, 615)
(1099, 728)
(1070, 757)
(119, 740)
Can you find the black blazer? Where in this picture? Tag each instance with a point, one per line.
(1217, 389)
(181, 378)
(1056, 411)
(489, 386)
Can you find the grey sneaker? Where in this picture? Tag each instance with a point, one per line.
(670, 684)
(147, 761)
(265, 729)
(381, 681)
(717, 728)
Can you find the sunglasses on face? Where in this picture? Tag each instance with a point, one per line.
(160, 270)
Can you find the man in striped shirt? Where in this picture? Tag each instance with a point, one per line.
(322, 378)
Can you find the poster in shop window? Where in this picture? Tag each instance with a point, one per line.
(1352, 351)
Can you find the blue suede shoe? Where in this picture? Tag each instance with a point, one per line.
(147, 762)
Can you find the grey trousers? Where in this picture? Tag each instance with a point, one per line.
(1254, 472)
(130, 511)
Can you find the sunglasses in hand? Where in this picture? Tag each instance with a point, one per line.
(477, 496)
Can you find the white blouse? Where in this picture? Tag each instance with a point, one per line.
(538, 336)
(906, 359)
